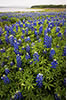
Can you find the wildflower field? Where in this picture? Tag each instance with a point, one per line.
(33, 56)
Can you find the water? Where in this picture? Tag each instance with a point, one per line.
(18, 9)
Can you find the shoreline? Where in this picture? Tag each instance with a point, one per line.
(22, 10)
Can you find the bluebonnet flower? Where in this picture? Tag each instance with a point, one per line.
(40, 29)
(59, 34)
(6, 28)
(45, 32)
(48, 30)
(5, 79)
(18, 96)
(16, 51)
(11, 30)
(21, 25)
(6, 39)
(27, 39)
(36, 57)
(64, 52)
(57, 45)
(54, 64)
(39, 40)
(1, 31)
(40, 22)
(26, 31)
(48, 41)
(27, 56)
(7, 71)
(37, 37)
(52, 52)
(19, 41)
(57, 97)
(16, 28)
(34, 23)
(15, 45)
(11, 63)
(3, 63)
(7, 33)
(32, 44)
(1, 41)
(11, 40)
(64, 33)
(18, 59)
(57, 29)
(22, 37)
(2, 50)
(24, 21)
(36, 33)
(27, 48)
(51, 25)
(23, 48)
(39, 80)
(35, 29)
(23, 31)
(31, 62)
(26, 25)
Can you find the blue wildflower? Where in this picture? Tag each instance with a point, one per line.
(52, 52)
(21, 25)
(59, 34)
(6, 39)
(34, 23)
(40, 29)
(11, 63)
(27, 56)
(18, 96)
(31, 62)
(16, 28)
(48, 30)
(45, 32)
(57, 97)
(15, 45)
(11, 40)
(19, 41)
(2, 50)
(23, 31)
(23, 48)
(57, 29)
(64, 52)
(1, 41)
(54, 64)
(39, 80)
(48, 41)
(36, 33)
(36, 57)
(27, 39)
(27, 48)
(26, 25)
(22, 37)
(7, 71)
(5, 79)
(26, 31)
(18, 59)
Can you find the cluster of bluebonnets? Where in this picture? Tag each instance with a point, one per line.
(34, 46)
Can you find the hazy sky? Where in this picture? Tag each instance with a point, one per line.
(29, 3)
